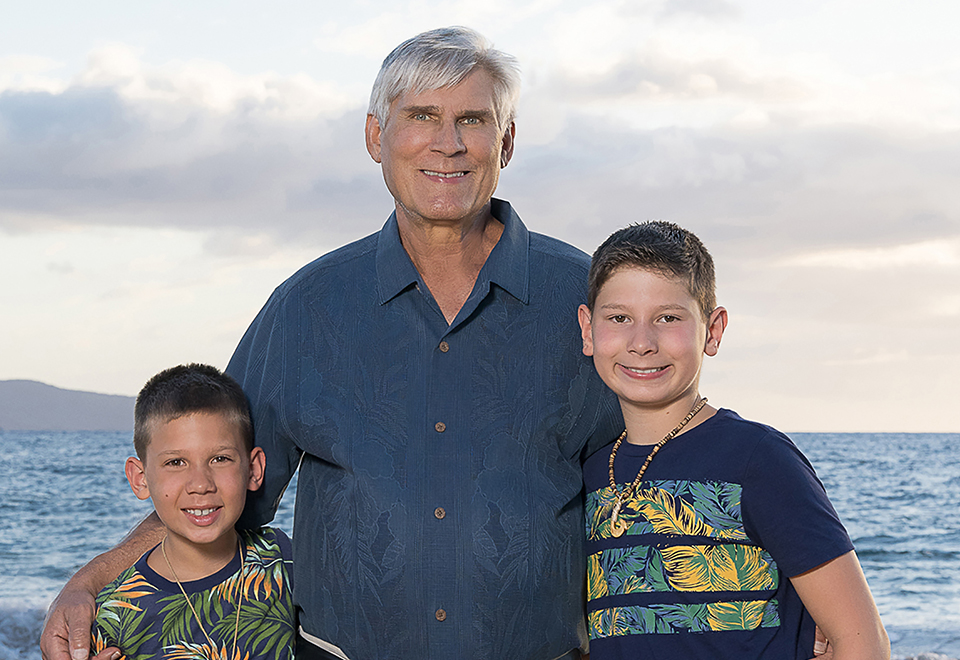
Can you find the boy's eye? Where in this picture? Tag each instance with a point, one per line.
(670, 318)
(222, 459)
(174, 462)
(619, 318)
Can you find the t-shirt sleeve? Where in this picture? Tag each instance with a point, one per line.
(786, 509)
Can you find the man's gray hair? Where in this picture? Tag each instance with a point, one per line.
(443, 58)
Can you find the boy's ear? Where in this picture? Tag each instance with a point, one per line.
(715, 327)
(258, 463)
(586, 329)
(137, 478)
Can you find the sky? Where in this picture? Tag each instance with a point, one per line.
(164, 166)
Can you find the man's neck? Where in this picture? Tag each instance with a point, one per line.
(449, 256)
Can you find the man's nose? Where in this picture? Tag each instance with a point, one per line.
(447, 139)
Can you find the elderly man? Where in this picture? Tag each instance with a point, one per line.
(428, 381)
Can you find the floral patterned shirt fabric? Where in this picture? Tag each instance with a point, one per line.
(146, 615)
(726, 513)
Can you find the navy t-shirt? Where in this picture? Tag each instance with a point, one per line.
(726, 513)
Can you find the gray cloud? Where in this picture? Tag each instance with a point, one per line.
(782, 187)
(659, 76)
(90, 156)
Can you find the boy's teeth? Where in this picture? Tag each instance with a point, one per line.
(200, 512)
(644, 371)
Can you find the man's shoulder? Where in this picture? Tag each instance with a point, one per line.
(554, 249)
(338, 263)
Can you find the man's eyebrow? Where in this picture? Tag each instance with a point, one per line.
(485, 113)
(420, 109)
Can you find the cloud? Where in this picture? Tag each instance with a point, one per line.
(713, 9)
(653, 74)
(929, 254)
(781, 187)
(186, 145)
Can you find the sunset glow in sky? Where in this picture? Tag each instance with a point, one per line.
(163, 166)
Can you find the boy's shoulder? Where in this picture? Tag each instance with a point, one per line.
(267, 543)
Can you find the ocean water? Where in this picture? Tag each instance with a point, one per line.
(64, 499)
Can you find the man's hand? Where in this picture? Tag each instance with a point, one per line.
(66, 630)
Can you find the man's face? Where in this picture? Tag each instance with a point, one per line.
(442, 150)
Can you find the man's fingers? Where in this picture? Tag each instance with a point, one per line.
(821, 646)
(66, 632)
(109, 653)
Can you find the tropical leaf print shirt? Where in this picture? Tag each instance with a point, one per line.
(726, 513)
(146, 615)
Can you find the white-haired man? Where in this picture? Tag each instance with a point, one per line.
(428, 381)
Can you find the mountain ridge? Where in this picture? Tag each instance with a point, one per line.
(29, 405)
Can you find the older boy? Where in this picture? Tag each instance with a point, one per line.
(205, 590)
(708, 536)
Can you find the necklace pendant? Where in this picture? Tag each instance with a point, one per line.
(617, 526)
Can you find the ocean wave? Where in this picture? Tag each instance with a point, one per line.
(20, 633)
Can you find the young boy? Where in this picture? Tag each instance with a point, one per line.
(205, 591)
(708, 536)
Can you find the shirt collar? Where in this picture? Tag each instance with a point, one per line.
(507, 266)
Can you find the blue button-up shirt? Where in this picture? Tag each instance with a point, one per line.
(439, 507)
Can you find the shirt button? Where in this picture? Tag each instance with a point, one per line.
(440, 513)
(440, 426)
(441, 615)
(444, 347)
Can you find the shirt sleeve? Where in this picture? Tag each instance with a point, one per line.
(786, 508)
(265, 364)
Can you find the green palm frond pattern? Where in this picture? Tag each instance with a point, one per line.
(694, 542)
(671, 619)
(146, 621)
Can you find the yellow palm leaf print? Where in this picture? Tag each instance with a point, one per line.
(743, 615)
(596, 581)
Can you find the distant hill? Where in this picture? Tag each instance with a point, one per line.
(26, 405)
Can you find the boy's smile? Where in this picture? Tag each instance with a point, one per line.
(647, 337)
(197, 472)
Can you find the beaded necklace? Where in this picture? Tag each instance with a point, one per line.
(617, 526)
(236, 628)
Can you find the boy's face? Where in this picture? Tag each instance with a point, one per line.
(197, 471)
(647, 337)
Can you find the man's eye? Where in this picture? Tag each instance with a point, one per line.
(421, 117)
(470, 120)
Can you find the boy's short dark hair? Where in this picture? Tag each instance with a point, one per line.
(662, 247)
(187, 389)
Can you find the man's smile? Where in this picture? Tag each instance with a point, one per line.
(445, 175)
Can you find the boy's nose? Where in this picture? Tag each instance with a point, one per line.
(201, 481)
(643, 340)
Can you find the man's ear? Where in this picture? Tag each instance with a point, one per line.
(372, 132)
(586, 329)
(506, 146)
(137, 478)
(716, 324)
(258, 463)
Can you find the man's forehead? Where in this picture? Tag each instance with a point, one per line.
(474, 93)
